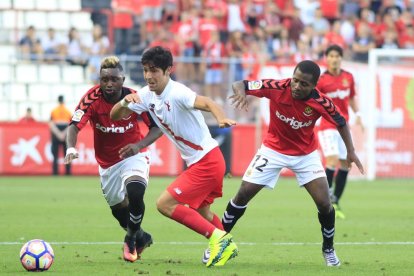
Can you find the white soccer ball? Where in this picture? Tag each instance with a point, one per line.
(36, 255)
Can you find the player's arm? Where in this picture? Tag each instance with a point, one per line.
(56, 131)
(207, 104)
(351, 155)
(355, 109)
(121, 110)
(132, 149)
(71, 140)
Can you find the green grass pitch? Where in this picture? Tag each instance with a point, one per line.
(279, 234)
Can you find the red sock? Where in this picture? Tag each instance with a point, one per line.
(217, 222)
(193, 220)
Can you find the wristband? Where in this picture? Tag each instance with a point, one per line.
(71, 150)
(124, 103)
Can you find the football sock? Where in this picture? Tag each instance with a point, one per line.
(136, 191)
(122, 215)
(217, 222)
(328, 228)
(340, 182)
(193, 220)
(232, 215)
(329, 175)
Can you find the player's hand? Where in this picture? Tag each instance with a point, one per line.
(353, 158)
(129, 150)
(71, 154)
(132, 98)
(226, 123)
(358, 121)
(238, 99)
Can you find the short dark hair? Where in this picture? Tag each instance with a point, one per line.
(61, 99)
(158, 56)
(336, 48)
(309, 67)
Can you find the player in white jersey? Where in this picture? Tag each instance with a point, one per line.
(176, 110)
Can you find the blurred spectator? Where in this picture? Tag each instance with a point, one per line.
(390, 40)
(30, 46)
(320, 24)
(283, 47)
(76, 51)
(59, 121)
(123, 23)
(307, 10)
(363, 43)
(213, 52)
(28, 117)
(53, 46)
(406, 40)
(235, 48)
(330, 9)
(349, 8)
(151, 16)
(313, 43)
(334, 36)
(98, 46)
(234, 17)
(348, 31)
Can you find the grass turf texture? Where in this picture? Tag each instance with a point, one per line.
(279, 233)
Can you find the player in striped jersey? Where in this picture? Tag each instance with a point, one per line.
(295, 105)
(120, 150)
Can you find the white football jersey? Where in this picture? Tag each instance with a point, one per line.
(174, 113)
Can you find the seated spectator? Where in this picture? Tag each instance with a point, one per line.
(363, 43)
(30, 46)
(406, 40)
(53, 46)
(283, 47)
(28, 117)
(334, 36)
(98, 46)
(76, 51)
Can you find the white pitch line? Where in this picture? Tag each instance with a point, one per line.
(239, 243)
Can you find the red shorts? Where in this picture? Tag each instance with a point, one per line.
(202, 182)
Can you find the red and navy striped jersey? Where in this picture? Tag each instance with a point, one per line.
(109, 136)
(339, 89)
(292, 122)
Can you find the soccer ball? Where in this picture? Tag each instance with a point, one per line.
(36, 255)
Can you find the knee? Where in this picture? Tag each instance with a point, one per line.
(162, 207)
(135, 189)
(325, 207)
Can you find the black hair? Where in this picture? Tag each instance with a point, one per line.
(309, 67)
(61, 99)
(158, 56)
(336, 48)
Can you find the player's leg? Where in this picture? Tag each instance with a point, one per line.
(263, 171)
(328, 140)
(310, 174)
(237, 206)
(318, 189)
(55, 153)
(340, 179)
(135, 236)
(121, 213)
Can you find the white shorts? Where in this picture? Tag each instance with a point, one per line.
(332, 144)
(113, 178)
(265, 167)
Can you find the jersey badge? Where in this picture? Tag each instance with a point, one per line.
(254, 85)
(77, 116)
(345, 82)
(308, 111)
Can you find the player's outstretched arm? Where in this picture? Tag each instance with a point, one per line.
(351, 155)
(207, 104)
(121, 110)
(132, 149)
(71, 139)
(238, 99)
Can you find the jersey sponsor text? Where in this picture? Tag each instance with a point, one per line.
(295, 124)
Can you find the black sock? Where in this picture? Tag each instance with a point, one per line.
(136, 191)
(231, 215)
(329, 176)
(122, 215)
(340, 182)
(328, 228)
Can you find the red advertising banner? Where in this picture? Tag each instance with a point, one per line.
(26, 151)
